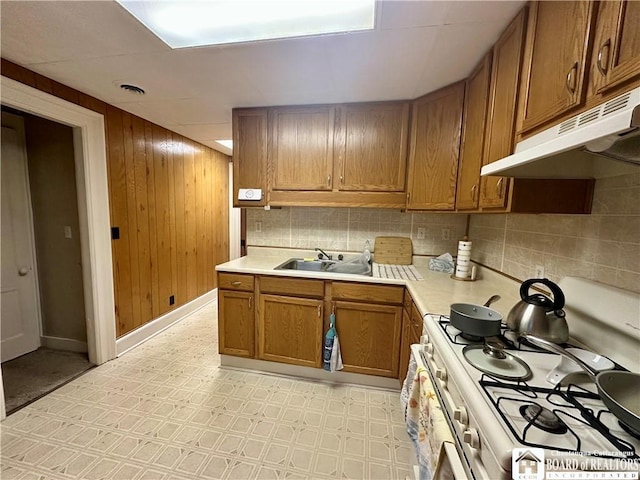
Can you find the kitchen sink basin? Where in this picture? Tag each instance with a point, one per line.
(328, 266)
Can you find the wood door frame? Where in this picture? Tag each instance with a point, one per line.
(93, 206)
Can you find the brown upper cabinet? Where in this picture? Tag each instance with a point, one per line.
(616, 47)
(249, 153)
(475, 114)
(371, 146)
(301, 148)
(503, 99)
(556, 59)
(435, 149)
(331, 155)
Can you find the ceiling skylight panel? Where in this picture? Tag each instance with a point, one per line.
(213, 22)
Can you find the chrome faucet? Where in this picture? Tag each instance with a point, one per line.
(322, 252)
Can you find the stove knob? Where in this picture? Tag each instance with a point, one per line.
(429, 348)
(441, 374)
(460, 415)
(424, 339)
(471, 438)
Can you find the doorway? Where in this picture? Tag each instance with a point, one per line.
(93, 210)
(43, 327)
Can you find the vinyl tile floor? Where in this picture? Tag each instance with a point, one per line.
(166, 410)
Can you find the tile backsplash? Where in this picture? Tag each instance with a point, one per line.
(347, 229)
(603, 246)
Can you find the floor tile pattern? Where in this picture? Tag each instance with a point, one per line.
(166, 410)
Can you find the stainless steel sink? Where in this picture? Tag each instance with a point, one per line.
(328, 266)
(302, 264)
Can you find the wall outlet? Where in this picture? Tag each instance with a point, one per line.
(421, 233)
(67, 231)
(446, 233)
(539, 271)
(258, 226)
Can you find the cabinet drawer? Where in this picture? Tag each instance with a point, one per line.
(367, 292)
(235, 281)
(292, 286)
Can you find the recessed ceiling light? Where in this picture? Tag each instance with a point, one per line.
(226, 143)
(132, 89)
(195, 23)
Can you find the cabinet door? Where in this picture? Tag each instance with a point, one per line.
(475, 113)
(369, 337)
(616, 48)
(557, 46)
(249, 153)
(236, 327)
(371, 145)
(503, 97)
(434, 149)
(301, 153)
(290, 330)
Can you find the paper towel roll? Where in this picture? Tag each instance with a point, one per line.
(463, 267)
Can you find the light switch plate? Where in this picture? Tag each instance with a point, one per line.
(250, 194)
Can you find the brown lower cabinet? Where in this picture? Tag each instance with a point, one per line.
(369, 337)
(411, 332)
(290, 330)
(283, 319)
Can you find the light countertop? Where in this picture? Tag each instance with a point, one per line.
(434, 294)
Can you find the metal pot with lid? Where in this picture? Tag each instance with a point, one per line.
(537, 314)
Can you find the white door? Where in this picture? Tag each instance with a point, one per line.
(19, 320)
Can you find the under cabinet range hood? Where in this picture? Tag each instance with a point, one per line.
(579, 146)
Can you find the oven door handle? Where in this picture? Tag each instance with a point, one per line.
(449, 464)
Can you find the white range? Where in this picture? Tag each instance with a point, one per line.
(490, 417)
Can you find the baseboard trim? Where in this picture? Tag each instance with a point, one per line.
(68, 344)
(262, 366)
(153, 328)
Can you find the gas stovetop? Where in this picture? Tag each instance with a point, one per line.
(568, 420)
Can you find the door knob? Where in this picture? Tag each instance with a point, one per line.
(23, 271)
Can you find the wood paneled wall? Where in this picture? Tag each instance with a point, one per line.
(168, 197)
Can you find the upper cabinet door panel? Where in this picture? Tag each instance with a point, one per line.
(301, 153)
(616, 49)
(435, 149)
(471, 150)
(249, 153)
(503, 99)
(557, 47)
(371, 141)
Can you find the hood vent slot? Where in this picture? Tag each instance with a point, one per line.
(587, 117)
(616, 104)
(567, 125)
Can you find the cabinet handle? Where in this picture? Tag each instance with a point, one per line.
(571, 78)
(473, 192)
(408, 197)
(499, 187)
(236, 283)
(341, 179)
(250, 303)
(328, 180)
(319, 311)
(603, 68)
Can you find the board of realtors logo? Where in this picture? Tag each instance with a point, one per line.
(527, 464)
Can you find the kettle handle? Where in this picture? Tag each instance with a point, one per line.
(558, 296)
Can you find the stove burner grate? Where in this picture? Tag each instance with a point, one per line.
(567, 398)
(543, 418)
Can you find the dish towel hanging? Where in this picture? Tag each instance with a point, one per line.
(426, 424)
(332, 357)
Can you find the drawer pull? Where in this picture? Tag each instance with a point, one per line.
(603, 66)
(236, 283)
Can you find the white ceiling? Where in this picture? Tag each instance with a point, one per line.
(418, 46)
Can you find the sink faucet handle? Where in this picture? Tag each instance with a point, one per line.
(322, 252)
